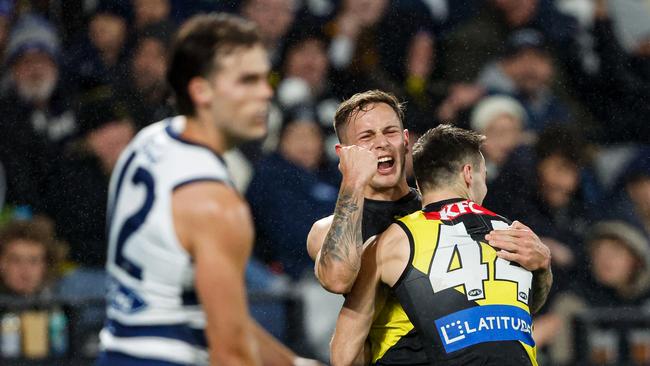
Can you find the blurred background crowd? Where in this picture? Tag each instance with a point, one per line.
(561, 89)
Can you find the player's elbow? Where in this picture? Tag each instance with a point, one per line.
(236, 349)
(336, 280)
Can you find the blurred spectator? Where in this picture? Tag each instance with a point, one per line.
(289, 191)
(30, 94)
(526, 71)
(619, 259)
(29, 259)
(422, 85)
(429, 97)
(356, 34)
(502, 120)
(305, 61)
(37, 116)
(6, 10)
(3, 187)
(618, 94)
(79, 185)
(306, 81)
(274, 19)
(145, 91)
(481, 38)
(99, 57)
(630, 19)
(151, 12)
(630, 198)
(542, 187)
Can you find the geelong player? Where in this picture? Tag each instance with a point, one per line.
(466, 302)
(179, 233)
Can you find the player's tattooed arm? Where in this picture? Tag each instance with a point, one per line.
(339, 259)
(542, 281)
(336, 243)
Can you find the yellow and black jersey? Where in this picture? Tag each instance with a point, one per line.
(465, 305)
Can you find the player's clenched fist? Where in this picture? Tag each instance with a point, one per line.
(357, 164)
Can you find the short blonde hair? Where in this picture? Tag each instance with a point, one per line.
(360, 102)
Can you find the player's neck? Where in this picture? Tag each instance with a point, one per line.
(205, 133)
(389, 194)
(438, 195)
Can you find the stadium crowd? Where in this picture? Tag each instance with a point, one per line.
(561, 89)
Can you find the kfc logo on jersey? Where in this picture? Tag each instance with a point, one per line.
(453, 210)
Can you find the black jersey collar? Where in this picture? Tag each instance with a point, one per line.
(412, 194)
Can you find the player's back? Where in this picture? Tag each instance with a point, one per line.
(153, 312)
(468, 305)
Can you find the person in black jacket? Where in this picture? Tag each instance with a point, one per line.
(76, 192)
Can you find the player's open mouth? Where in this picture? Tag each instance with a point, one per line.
(385, 165)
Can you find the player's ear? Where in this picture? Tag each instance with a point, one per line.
(406, 140)
(338, 148)
(200, 91)
(467, 174)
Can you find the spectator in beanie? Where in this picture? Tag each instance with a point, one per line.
(501, 119)
(37, 115)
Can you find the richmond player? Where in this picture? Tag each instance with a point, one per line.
(466, 303)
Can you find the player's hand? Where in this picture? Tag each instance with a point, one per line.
(357, 165)
(520, 244)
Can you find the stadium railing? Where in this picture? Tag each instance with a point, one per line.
(612, 336)
(61, 331)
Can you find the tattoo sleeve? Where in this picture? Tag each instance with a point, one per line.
(542, 281)
(344, 243)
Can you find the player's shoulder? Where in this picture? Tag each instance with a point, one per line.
(178, 160)
(208, 200)
(394, 233)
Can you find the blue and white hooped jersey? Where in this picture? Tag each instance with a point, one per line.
(153, 311)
